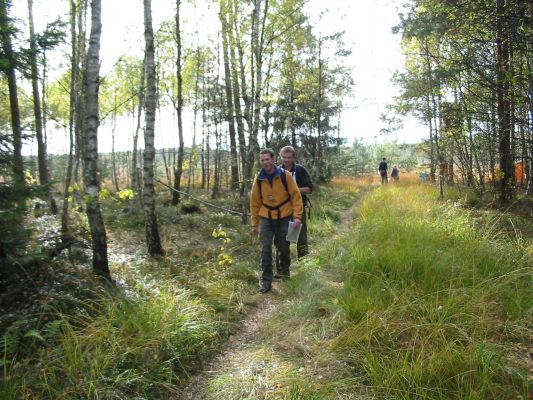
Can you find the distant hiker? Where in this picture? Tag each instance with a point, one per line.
(395, 174)
(274, 200)
(303, 180)
(383, 170)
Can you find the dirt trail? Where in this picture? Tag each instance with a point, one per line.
(237, 344)
(245, 339)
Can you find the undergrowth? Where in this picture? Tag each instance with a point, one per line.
(142, 339)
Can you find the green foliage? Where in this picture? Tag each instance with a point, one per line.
(25, 109)
(447, 85)
(119, 94)
(126, 194)
(13, 232)
(58, 99)
(51, 37)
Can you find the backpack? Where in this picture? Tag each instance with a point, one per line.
(283, 177)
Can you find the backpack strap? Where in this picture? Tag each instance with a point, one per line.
(277, 207)
(284, 181)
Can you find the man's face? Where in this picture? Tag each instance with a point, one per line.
(267, 162)
(288, 159)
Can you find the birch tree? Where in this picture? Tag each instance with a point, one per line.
(90, 133)
(152, 229)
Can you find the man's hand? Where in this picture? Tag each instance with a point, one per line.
(296, 223)
(255, 230)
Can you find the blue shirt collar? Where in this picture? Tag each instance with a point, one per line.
(263, 174)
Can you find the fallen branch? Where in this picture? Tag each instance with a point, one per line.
(200, 200)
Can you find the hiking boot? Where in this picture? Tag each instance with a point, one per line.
(265, 287)
(282, 275)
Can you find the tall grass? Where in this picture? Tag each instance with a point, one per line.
(128, 348)
(420, 300)
(429, 301)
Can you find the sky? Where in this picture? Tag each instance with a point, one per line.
(367, 24)
(376, 55)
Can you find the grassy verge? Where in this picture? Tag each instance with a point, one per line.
(142, 339)
(421, 299)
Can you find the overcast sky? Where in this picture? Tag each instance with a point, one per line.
(367, 24)
(376, 55)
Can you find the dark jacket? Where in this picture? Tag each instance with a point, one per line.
(383, 166)
(302, 178)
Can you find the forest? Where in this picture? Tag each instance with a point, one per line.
(127, 266)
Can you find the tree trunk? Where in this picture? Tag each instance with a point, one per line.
(135, 175)
(243, 87)
(194, 148)
(318, 154)
(433, 163)
(216, 173)
(179, 109)
(114, 169)
(530, 111)
(44, 177)
(257, 66)
(229, 98)
(72, 110)
(91, 179)
(8, 67)
(267, 114)
(502, 87)
(205, 140)
(152, 228)
(80, 110)
(236, 97)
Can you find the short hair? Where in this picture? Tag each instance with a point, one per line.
(267, 151)
(287, 149)
(384, 158)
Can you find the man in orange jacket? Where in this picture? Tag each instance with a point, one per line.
(274, 201)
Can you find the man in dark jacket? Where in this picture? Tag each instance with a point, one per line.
(305, 185)
(383, 171)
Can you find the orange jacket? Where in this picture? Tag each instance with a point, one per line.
(275, 195)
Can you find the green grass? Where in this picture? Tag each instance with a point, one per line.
(420, 300)
(139, 344)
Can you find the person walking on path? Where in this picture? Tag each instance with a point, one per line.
(274, 200)
(383, 171)
(395, 174)
(305, 185)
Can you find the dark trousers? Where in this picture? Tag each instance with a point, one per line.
(384, 178)
(274, 231)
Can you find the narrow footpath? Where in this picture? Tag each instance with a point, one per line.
(245, 344)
